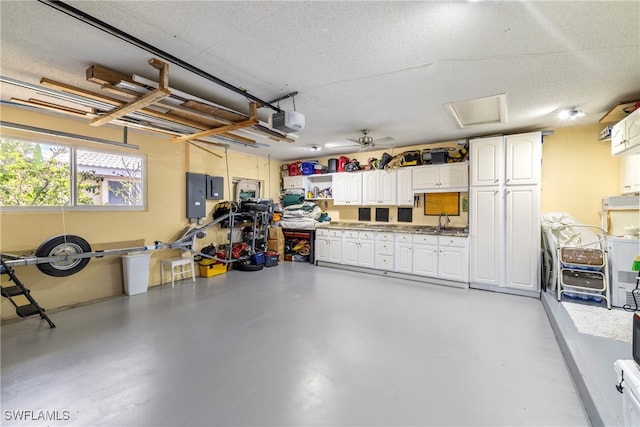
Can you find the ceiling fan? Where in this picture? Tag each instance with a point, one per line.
(364, 142)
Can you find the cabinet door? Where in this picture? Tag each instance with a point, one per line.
(425, 260)
(425, 177)
(633, 129)
(404, 193)
(404, 257)
(354, 184)
(322, 248)
(340, 189)
(454, 176)
(370, 191)
(387, 187)
(452, 263)
(335, 250)
(523, 158)
(350, 254)
(486, 235)
(487, 160)
(618, 137)
(294, 182)
(522, 237)
(630, 174)
(366, 255)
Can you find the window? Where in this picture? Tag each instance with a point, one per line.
(39, 174)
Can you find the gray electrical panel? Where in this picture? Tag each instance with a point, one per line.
(196, 195)
(215, 187)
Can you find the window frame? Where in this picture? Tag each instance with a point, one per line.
(73, 167)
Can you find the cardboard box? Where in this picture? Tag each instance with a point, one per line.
(276, 241)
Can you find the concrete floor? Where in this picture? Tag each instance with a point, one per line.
(292, 345)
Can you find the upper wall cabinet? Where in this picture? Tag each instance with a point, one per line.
(440, 178)
(347, 189)
(625, 135)
(379, 187)
(510, 160)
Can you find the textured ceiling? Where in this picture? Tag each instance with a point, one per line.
(392, 67)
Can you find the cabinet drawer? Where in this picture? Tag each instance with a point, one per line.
(365, 235)
(384, 237)
(425, 239)
(322, 233)
(335, 233)
(458, 242)
(404, 238)
(350, 234)
(384, 248)
(384, 262)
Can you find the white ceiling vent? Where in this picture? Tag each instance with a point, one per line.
(480, 111)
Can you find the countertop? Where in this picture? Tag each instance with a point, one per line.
(396, 228)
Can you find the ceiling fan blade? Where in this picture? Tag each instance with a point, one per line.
(382, 140)
(341, 144)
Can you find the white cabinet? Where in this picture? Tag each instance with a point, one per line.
(379, 188)
(298, 181)
(625, 135)
(404, 192)
(440, 178)
(384, 251)
(404, 253)
(347, 188)
(453, 260)
(425, 255)
(630, 174)
(504, 217)
(329, 245)
(358, 248)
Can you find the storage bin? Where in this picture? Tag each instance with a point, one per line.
(212, 270)
(271, 258)
(135, 266)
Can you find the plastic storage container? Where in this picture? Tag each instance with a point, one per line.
(271, 258)
(135, 266)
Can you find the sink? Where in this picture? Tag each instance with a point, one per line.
(454, 231)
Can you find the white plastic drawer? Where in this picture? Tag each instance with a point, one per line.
(425, 239)
(384, 237)
(404, 238)
(458, 242)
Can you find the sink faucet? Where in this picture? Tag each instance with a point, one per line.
(440, 225)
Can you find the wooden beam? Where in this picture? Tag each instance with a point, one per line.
(80, 92)
(103, 75)
(131, 107)
(32, 102)
(144, 101)
(222, 129)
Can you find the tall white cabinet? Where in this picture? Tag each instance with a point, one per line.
(504, 212)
